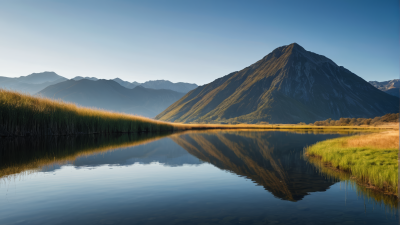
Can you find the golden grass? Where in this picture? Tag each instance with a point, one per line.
(24, 115)
(370, 158)
(384, 140)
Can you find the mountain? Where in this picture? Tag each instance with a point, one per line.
(159, 84)
(394, 92)
(87, 78)
(165, 84)
(386, 85)
(109, 95)
(126, 83)
(32, 83)
(289, 85)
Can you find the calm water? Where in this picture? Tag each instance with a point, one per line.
(240, 177)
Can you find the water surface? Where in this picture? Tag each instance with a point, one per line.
(220, 177)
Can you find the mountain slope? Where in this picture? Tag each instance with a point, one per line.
(32, 83)
(386, 85)
(109, 95)
(393, 91)
(289, 85)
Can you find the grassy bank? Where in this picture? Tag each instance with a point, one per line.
(371, 158)
(24, 115)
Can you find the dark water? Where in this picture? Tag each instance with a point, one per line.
(236, 177)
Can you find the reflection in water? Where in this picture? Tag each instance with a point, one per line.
(272, 159)
(31, 154)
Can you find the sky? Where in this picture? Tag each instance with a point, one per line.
(192, 41)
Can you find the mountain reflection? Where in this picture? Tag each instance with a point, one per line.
(270, 159)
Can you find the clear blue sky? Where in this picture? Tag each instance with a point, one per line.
(192, 41)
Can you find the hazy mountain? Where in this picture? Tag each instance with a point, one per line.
(394, 92)
(289, 85)
(32, 83)
(386, 85)
(159, 84)
(126, 83)
(87, 78)
(109, 95)
(165, 84)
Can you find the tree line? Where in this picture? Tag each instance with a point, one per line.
(388, 118)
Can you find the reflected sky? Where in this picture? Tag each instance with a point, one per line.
(190, 178)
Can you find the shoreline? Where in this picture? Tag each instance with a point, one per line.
(370, 166)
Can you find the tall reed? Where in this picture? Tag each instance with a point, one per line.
(23, 115)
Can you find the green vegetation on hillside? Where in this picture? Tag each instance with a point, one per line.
(23, 115)
(372, 158)
(388, 118)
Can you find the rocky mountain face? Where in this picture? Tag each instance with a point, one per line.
(386, 85)
(289, 85)
(32, 83)
(109, 95)
(391, 87)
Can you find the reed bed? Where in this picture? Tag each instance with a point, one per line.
(24, 115)
(371, 159)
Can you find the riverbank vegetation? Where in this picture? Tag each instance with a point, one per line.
(26, 115)
(372, 159)
(388, 118)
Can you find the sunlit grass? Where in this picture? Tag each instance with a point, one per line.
(371, 158)
(24, 115)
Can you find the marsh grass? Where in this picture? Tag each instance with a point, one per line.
(371, 158)
(24, 115)
(369, 195)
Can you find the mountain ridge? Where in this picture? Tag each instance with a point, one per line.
(289, 85)
(109, 95)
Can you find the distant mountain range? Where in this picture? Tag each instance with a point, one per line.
(36, 82)
(391, 87)
(109, 95)
(32, 83)
(289, 85)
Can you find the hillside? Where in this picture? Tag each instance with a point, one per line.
(386, 85)
(289, 85)
(32, 83)
(394, 92)
(109, 95)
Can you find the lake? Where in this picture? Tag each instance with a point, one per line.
(208, 177)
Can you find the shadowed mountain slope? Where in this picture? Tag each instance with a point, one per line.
(394, 92)
(109, 95)
(32, 83)
(262, 157)
(289, 85)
